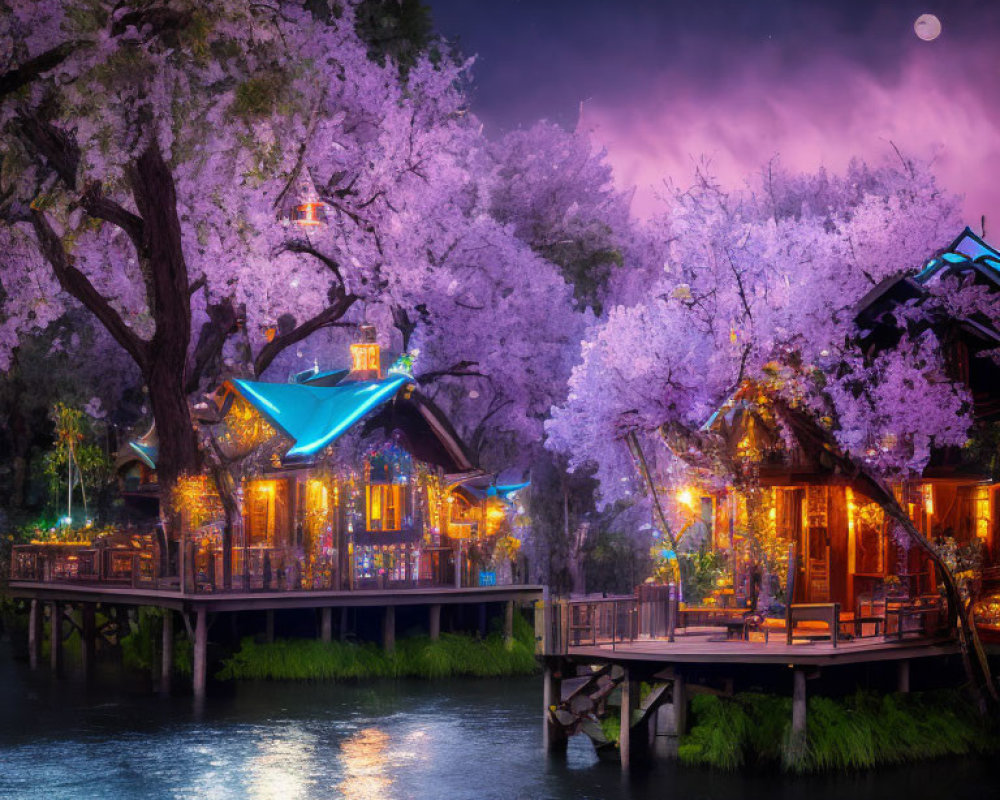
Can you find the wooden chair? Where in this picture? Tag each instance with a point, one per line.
(814, 612)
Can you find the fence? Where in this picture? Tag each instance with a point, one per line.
(651, 613)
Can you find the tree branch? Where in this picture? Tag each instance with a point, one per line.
(60, 152)
(303, 247)
(14, 79)
(222, 318)
(457, 370)
(340, 303)
(79, 286)
(98, 206)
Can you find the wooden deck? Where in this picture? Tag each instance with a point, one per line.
(251, 601)
(706, 648)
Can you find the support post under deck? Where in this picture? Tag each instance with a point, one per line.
(630, 695)
(798, 741)
(508, 621)
(434, 621)
(903, 676)
(35, 633)
(88, 636)
(167, 668)
(671, 721)
(55, 637)
(200, 652)
(553, 737)
(389, 629)
(326, 624)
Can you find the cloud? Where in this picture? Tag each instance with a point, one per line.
(818, 115)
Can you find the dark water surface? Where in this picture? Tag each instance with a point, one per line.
(405, 740)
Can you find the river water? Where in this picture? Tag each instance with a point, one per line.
(404, 740)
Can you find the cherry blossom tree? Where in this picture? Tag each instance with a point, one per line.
(760, 288)
(156, 156)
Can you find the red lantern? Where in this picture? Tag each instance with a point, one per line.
(309, 214)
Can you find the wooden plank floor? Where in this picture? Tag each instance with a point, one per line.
(246, 601)
(705, 648)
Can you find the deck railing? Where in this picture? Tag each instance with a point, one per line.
(120, 564)
(562, 624)
(136, 560)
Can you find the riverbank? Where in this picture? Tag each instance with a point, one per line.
(453, 655)
(862, 731)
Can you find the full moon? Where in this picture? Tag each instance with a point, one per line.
(927, 27)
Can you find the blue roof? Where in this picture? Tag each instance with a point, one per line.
(147, 452)
(967, 252)
(315, 416)
(506, 491)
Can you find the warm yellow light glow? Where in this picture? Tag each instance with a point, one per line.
(309, 215)
(685, 497)
(928, 493)
(364, 757)
(366, 357)
(981, 511)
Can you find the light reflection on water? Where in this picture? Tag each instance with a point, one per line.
(363, 757)
(452, 740)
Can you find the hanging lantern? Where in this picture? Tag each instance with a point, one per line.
(309, 214)
(305, 207)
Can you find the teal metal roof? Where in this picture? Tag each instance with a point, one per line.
(147, 452)
(967, 252)
(315, 416)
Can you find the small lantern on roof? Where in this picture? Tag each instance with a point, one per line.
(366, 356)
(304, 206)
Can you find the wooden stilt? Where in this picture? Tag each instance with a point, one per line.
(88, 636)
(508, 621)
(671, 721)
(389, 629)
(167, 668)
(55, 637)
(903, 676)
(269, 626)
(326, 624)
(680, 705)
(434, 621)
(798, 738)
(200, 652)
(155, 656)
(36, 622)
(553, 737)
(630, 694)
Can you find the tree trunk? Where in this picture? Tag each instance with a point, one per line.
(225, 485)
(960, 615)
(178, 445)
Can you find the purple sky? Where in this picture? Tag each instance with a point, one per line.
(664, 83)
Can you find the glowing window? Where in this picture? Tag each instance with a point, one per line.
(981, 511)
(384, 505)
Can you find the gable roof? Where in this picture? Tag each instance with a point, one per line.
(967, 254)
(316, 416)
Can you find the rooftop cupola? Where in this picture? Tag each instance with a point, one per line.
(366, 357)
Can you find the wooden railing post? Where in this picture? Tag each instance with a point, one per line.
(671, 612)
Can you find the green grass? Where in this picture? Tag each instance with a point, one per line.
(141, 643)
(854, 733)
(414, 657)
